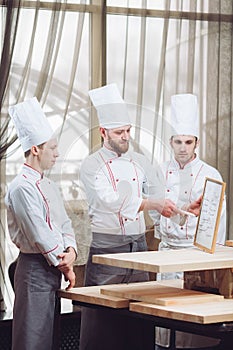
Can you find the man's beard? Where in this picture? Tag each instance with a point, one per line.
(119, 148)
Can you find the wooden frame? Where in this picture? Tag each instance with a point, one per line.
(208, 220)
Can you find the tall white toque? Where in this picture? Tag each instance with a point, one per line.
(111, 109)
(31, 124)
(184, 115)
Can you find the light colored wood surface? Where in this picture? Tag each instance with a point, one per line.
(156, 293)
(204, 313)
(171, 260)
(92, 295)
(229, 243)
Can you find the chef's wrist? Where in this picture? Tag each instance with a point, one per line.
(71, 249)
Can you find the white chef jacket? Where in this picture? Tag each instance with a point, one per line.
(36, 216)
(184, 186)
(114, 188)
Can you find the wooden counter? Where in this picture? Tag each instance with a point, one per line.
(199, 307)
(213, 318)
(192, 259)
(165, 303)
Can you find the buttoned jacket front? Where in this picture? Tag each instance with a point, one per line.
(183, 186)
(115, 187)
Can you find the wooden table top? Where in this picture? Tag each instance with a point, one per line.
(191, 259)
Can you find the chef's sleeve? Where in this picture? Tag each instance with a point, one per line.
(31, 219)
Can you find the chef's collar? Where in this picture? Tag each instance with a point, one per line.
(33, 172)
(176, 165)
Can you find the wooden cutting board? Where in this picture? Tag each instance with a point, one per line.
(192, 259)
(92, 295)
(205, 313)
(155, 293)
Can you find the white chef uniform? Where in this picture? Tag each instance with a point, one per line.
(40, 228)
(184, 186)
(35, 226)
(114, 186)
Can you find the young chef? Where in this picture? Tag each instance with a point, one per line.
(184, 177)
(40, 228)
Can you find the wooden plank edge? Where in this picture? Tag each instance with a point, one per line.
(152, 309)
(95, 298)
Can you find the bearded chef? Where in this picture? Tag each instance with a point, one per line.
(116, 180)
(184, 176)
(40, 228)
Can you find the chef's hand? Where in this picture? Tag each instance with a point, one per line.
(67, 259)
(195, 206)
(69, 277)
(165, 207)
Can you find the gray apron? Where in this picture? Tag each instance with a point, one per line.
(107, 329)
(35, 303)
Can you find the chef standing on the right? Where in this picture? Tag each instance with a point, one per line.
(184, 177)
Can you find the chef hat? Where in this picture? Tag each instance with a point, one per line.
(111, 109)
(184, 115)
(32, 126)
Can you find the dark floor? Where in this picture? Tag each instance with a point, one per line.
(69, 332)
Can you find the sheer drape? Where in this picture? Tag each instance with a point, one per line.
(218, 124)
(40, 56)
(193, 54)
(152, 53)
(9, 16)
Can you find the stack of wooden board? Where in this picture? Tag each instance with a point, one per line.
(159, 294)
(166, 299)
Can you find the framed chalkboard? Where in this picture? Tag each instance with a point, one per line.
(208, 220)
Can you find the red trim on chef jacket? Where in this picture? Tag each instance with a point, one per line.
(51, 250)
(46, 205)
(113, 181)
(198, 173)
